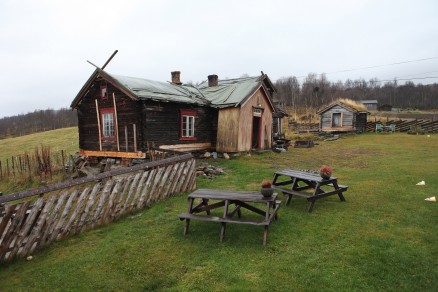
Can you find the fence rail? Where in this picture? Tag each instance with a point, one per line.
(425, 126)
(54, 212)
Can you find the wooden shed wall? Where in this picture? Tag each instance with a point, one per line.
(228, 130)
(260, 100)
(128, 112)
(234, 132)
(347, 119)
(162, 123)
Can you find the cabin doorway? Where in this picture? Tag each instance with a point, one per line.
(336, 120)
(256, 121)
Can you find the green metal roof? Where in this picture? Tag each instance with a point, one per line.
(230, 92)
(149, 89)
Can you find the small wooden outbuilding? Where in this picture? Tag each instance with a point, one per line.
(343, 116)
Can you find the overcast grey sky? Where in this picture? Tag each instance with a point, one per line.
(45, 44)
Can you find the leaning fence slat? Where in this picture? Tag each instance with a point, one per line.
(120, 203)
(131, 190)
(190, 172)
(136, 198)
(163, 181)
(156, 181)
(145, 191)
(99, 207)
(32, 241)
(27, 224)
(5, 221)
(174, 188)
(65, 230)
(146, 197)
(13, 230)
(181, 177)
(61, 220)
(83, 221)
(172, 178)
(51, 222)
(106, 211)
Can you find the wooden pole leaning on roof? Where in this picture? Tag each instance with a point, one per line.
(116, 122)
(98, 125)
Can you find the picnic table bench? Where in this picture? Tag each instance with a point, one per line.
(293, 182)
(240, 199)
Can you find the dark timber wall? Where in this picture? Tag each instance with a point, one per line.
(128, 113)
(162, 123)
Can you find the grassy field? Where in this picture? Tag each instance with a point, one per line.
(61, 139)
(383, 238)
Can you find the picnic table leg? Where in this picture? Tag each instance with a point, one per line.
(186, 226)
(289, 197)
(222, 231)
(205, 203)
(190, 211)
(310, 206)
(223, 224)
(265, 235)
(341, 196)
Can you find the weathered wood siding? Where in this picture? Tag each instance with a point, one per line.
(258, 99)
(228, 130)
(162, 123)
(234, 132)
(347, 119)
(128, 113)
(361, 122)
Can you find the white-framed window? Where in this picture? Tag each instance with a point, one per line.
(188, 125)
(107, 117)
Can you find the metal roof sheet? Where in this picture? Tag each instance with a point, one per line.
(149, 89)
(231, 91)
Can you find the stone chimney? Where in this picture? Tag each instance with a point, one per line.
(175, 77)
(212, 80)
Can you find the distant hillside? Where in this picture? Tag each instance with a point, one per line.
(37, 121)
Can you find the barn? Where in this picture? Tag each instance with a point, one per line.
(120, 116)
(343, 116)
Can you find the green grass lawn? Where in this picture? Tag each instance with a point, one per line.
(383, 238)
(65, 139)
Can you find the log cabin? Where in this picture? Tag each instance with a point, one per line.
(343, 116)
(120, 116)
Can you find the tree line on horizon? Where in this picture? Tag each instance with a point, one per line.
(37, 121)
(316, 91)
(311, 94)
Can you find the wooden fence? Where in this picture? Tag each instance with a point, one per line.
(32, 219)
(424, 126)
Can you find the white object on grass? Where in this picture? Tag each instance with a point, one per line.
(431, 199)
(421, 183)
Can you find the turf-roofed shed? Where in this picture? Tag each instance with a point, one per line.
(343, 115)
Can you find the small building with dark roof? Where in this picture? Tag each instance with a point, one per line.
(370, 104)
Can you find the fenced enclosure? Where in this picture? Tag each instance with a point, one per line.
(32, 219)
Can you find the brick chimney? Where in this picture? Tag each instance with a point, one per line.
(175, 77)
(212, 80)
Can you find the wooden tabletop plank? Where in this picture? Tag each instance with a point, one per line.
(304, 175)
(244, 196)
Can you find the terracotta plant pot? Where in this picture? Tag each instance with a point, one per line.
(325, 175)
(267, 192)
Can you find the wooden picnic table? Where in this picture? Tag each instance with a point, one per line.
(294, 182)
(225, 199)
